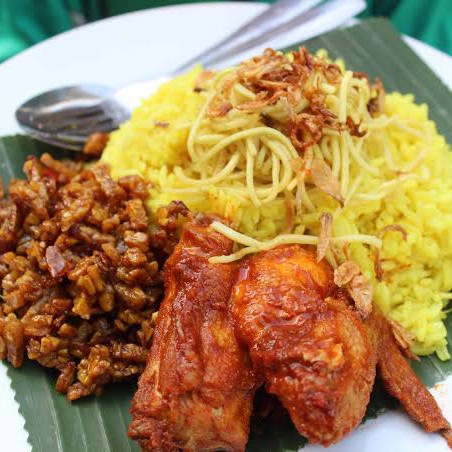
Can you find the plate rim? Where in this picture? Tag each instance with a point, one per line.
(105, 22)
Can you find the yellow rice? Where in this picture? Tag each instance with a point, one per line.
(418, 271)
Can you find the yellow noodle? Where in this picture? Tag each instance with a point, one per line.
(179, 172)
(357, 156)
(250, 176)
(243, 166)
(344, 165)
(283, 239)
(343, 97)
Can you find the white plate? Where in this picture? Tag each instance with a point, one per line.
(148, 43)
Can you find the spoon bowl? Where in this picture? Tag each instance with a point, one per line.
(67, 116)
(71, 114)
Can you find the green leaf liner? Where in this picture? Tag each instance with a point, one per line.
(100, 424)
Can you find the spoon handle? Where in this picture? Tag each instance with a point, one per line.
(276, 20)
(263, 22)
(282, 16)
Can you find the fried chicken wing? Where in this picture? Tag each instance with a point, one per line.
(197, 390)
(315, 352)
(402, 382)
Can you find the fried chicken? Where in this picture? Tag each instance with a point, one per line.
(401, 381)
(197, 390)
(316, 352)
(304, 335)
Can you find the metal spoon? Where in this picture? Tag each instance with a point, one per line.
(67, 116)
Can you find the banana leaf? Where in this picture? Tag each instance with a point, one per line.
(100, 423)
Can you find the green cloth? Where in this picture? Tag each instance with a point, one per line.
(427, 20)
(114, 7)
(26, 22)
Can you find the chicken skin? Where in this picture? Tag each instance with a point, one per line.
(197, 390)
(306, 338)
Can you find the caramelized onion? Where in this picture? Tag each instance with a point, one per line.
(345, 273)
(394, 227)
(361, 291)
(326, 225)
(324, 180)
(403, 338)
(55, 261)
